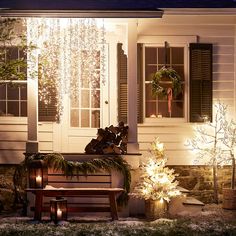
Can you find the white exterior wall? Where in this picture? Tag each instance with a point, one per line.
(218, 30)
(13, 137)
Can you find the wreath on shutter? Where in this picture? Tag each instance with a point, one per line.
(164, 80)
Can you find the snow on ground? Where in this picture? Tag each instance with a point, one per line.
(213, 220)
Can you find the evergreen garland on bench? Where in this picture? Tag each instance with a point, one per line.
(57, 162)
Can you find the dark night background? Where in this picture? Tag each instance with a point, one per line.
(113, 4)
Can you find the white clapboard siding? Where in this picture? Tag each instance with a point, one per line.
(45, 146)
(218, 40)
(11, 156)
(201, 30)
(225, 67)
(218, 30)
(12, 145)
(168, 146)
(223, 76)
(45, 137)
(222, 37)
(13, 135)
(13, 127)
(227, 85)
(174, 138)
(223, 94)
(78, 144)
(224, 58)
(13, 138)
(226, 19)
(223, 49)
(45, 127)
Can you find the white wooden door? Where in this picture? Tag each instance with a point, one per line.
(82, 116)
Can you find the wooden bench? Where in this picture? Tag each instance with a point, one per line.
(111, 193)
(91, 192)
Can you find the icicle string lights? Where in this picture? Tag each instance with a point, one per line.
(71, 54)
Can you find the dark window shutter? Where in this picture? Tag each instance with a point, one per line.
(140, 82)
(200, 82)
(123, 84)
(48, 112)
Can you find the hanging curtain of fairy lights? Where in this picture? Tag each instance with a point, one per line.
(67, 54)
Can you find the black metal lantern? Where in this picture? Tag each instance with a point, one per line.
(38, 174)
(58, 209)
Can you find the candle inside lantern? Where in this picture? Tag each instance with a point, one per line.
(38, 181)
(59, 213)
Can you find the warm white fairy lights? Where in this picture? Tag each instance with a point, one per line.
(70, 52)
(157, 181)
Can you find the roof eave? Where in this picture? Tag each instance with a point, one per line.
(199, 11)
(83, 13)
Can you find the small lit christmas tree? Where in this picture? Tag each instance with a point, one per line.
(157, 183)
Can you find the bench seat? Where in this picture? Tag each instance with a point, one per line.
(49, 191)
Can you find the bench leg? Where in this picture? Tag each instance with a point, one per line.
(38, 205)
(113, 205)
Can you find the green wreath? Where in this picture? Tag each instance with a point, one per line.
(166, 75)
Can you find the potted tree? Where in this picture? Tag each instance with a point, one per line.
(157, 184)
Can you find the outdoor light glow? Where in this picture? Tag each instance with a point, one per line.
(59, 213)
(157, 182)
(68, 53)
(213, 144)
(160, 146)
(38, 181)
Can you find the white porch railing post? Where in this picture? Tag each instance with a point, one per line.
(32, 107)
(32, 93)
(133, 146)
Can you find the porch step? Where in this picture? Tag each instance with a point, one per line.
(193, 201)
(182, 205)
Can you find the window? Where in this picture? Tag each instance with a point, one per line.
(154, 59)
(13, 92)
(85, 110)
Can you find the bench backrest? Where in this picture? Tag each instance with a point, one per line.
(96, 180)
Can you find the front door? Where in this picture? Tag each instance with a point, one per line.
(84, 114)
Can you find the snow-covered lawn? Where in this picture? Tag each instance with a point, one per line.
(212, 221)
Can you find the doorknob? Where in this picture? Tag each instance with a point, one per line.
(106, 102)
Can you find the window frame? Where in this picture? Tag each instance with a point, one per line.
(173, 41)
(19, 100)
(15, 119)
